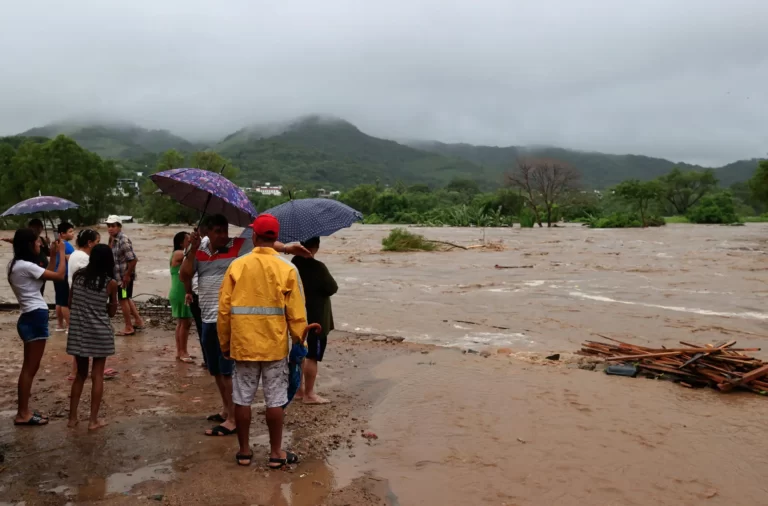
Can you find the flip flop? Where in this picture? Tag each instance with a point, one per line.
(186, 360)
(220, 430)
(35, 421)
(216, 418)
(290, 458)
(110, 373)
(304, 400)
(125, 334)
(241, 456)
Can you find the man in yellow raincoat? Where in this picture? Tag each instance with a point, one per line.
(260, 302)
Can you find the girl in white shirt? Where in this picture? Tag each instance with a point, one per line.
(26, 278)
(86, 240)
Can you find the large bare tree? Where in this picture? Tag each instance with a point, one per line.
(543, 183)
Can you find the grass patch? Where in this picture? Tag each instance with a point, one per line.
(399, 239)
(625, 220)
(755, 219)
(676, 219)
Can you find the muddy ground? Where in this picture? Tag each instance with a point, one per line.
(502, 428)
(154, 449)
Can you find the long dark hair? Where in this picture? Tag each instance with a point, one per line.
(23, 248)
(178, 240)
(85, 236)
(100, 269)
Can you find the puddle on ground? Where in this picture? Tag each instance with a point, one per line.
(159, 410)
(121, 483)
(263, 439)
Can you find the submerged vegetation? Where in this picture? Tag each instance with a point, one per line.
(399, 239)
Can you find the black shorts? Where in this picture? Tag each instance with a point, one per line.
(128, 291)
(316, 346)
(62, 293)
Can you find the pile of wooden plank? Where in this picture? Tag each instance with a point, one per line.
(721, 366)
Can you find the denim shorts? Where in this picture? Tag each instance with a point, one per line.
(214, 358)
(33, 325)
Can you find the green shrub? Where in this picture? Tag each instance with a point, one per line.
(400, 239)
(373, 219)
(625, 220)
(527, 218)
(677, 219)
(715, 208)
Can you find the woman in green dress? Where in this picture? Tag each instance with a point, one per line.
(178, 296)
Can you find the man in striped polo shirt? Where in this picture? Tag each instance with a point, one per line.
(210, 262)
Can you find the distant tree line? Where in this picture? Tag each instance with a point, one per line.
(59, 167)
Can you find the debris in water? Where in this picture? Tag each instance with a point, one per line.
(719, 366)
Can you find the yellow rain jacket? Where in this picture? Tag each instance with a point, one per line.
(260, 300)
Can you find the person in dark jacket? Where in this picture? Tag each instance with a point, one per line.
(319, 286)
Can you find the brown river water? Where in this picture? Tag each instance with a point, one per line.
(455, 428)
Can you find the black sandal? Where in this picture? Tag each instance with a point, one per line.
(217, 418)
(220, 430)
(290, 458)
(241, 456)
(35, 421)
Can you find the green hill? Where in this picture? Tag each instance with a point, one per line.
(330, 150)
(736, 172)
(118, 141)
(333, 152)
(598, 170)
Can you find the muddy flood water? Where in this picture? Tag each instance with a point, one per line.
(454, 427)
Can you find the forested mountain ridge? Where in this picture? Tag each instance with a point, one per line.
(117, 141)
(331, 151)
(598, 170)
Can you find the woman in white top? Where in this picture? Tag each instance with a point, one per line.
(26, 278)
(86, 240)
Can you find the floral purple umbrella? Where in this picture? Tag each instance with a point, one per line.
(207, 192)
(42, 204)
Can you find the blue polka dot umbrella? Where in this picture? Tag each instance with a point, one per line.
(306, 218)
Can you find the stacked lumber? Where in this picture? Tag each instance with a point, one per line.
(721, 366)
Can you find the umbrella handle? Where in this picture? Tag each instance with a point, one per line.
(208, 201)
(202, 215)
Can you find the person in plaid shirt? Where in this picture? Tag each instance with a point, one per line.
(125, 274)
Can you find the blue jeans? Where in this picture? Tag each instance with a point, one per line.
(33, 325)
(214, 359)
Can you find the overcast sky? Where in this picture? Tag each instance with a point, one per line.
(680, 79)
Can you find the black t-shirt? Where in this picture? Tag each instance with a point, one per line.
(45, 254)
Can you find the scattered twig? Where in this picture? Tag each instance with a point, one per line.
(481, 324)
(446, 243)
(513, 266)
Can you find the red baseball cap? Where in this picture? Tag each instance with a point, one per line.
(266, 225)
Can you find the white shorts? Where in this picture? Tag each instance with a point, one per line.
(245, 382)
